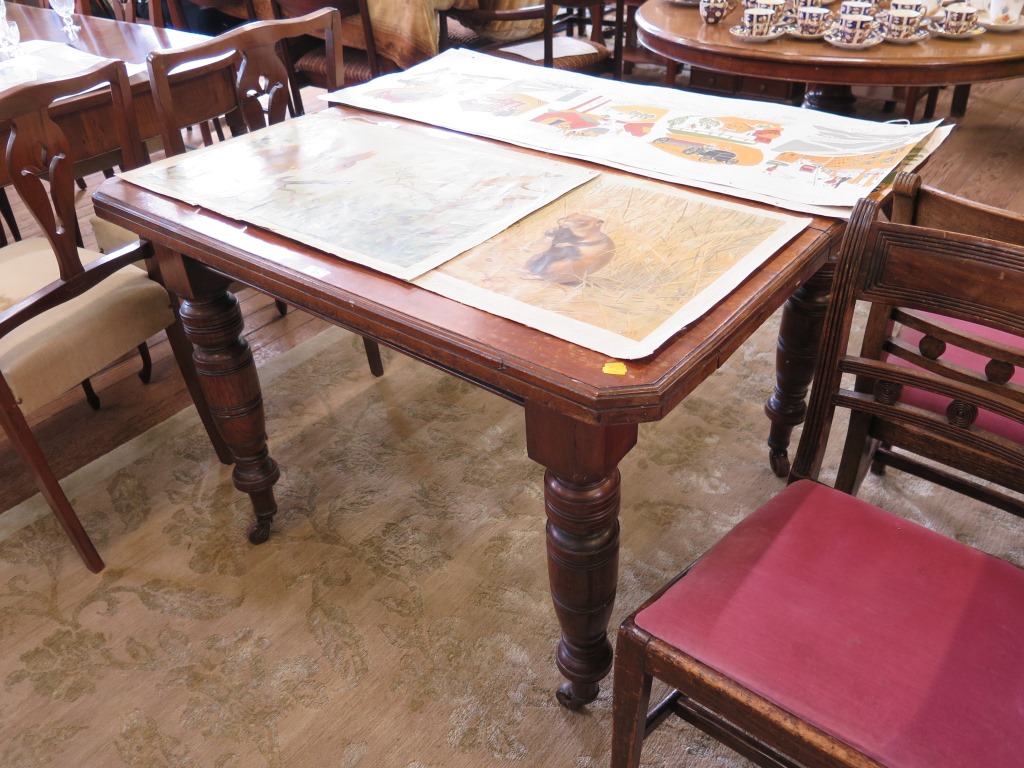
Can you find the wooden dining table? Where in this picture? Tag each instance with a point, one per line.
(580, 420)
(675, 30)
(86, 118)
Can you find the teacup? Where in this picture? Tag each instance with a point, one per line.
(758, 21)
(903, 23)
(856, 7)
(798, 4)
(713, 11)
(910, 5)
(960, 18)
(811, 19)
(855, 28)
(1005, 11)
(777, 7)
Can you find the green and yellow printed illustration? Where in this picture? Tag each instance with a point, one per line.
(721, 140)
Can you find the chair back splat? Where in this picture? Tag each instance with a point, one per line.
(822, 630)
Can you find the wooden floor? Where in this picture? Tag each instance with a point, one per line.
(982, 159)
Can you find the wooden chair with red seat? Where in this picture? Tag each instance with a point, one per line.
(597, 60)
(66, 312)
(822, 630)
(257, 95)
(929, 341)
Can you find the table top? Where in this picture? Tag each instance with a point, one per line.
(102, 37)
(676, 31)
(498, 354)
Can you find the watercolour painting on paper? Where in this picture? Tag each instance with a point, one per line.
(617, 265)
(394, 200)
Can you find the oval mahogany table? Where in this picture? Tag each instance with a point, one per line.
(676, 31)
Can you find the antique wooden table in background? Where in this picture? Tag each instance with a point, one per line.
(580, 421)
(677, 32)
(86, 117)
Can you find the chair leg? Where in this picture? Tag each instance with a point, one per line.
(16, 427)
(630, 699)
(182, 349)
(204, 132)
(282, 308)
(90, 395)
(147, 363)
(8, 213)
(373, 356)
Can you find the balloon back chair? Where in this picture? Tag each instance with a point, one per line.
(67, 312)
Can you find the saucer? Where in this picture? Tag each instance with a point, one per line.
(917, 37)
(993, 26)
(873, 39)
(741, 32)
(939, 29)
(794, 32)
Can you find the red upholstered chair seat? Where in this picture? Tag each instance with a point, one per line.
(987, 420)
(902, 643)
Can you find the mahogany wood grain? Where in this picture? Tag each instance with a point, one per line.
(580, 421)
(86, 119)
(677, 32)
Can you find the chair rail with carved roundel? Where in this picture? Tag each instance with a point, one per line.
(822, 630)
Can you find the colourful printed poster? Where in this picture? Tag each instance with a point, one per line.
(787, 156)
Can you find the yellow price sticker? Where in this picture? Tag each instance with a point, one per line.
(616, 369)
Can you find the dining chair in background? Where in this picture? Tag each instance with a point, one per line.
(311, 57)
(597, 59)
(822, 630)
(255, 85)
(67, 312)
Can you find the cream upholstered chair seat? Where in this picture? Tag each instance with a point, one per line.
(55, 351)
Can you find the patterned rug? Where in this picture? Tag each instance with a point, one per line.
(399, 615)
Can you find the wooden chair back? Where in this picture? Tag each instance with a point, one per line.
(288, 9)
(248, 57)
(822, 630)
(553, 14)
(38, 150)
(940, 376)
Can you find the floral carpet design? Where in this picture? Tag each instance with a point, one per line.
(399, 615)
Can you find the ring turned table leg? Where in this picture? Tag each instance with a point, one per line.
(803, 317)
(581, 498)
(213, 322)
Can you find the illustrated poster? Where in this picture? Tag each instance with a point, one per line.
(787, 156)
(618, 265)
(399, 202)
